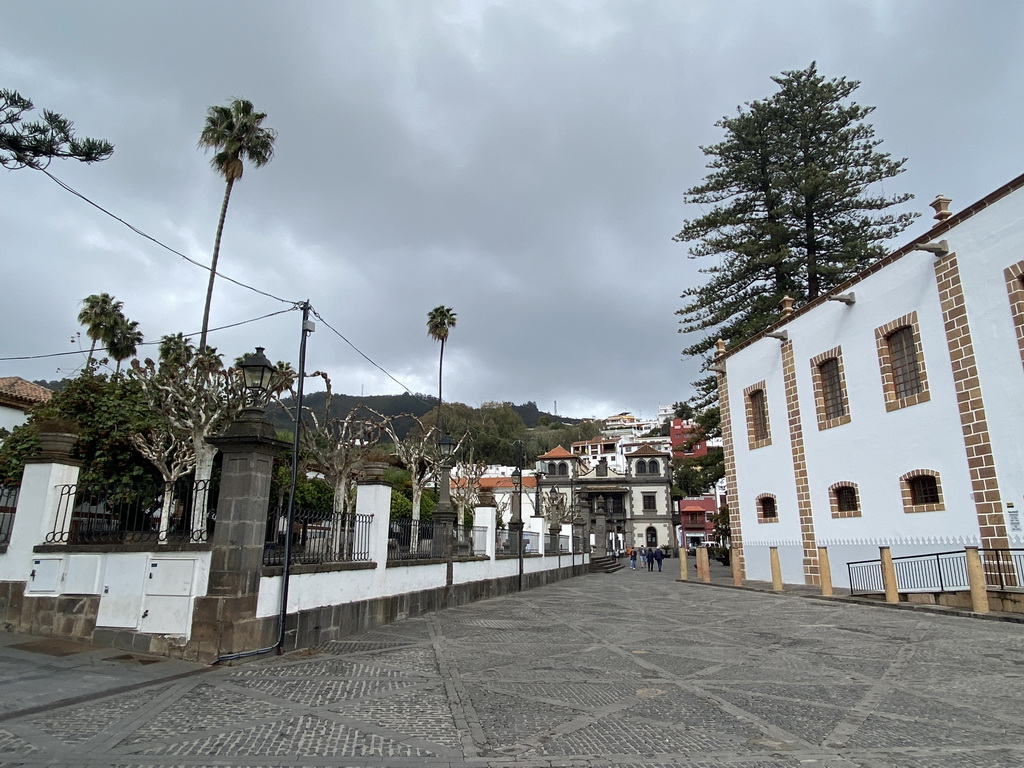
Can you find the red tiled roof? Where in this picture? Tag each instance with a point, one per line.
(493, 483)
(17, 391)
(647, 450)
(557, 453)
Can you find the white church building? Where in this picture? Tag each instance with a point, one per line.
(888, 412)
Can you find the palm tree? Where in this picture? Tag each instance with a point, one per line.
(235, 133)
(122, 339)
(439, 321)
(99, 311)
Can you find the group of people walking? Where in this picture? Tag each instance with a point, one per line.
(648, 557)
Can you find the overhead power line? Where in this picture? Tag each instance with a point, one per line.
(139, 232)
(151, 343)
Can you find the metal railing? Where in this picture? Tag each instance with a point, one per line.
(564, 543)
(1003, 567)
(531, 542)
(317, 536)
(938, 572)
(8, 504)
(410, 539)
(182, 511)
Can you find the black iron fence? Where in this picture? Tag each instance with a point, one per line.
(179, 511)
(531, 542)
(8, 504)
(317, 536)
(938, 572)
(410, 539)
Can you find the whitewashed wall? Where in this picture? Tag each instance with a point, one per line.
(877, 447)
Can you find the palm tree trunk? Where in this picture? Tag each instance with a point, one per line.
(213, 264)
(440, 369)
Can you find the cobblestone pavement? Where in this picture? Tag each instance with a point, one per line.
(631, 669)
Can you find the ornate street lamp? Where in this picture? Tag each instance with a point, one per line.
(257, 372)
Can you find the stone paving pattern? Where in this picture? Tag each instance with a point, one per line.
(631, 669)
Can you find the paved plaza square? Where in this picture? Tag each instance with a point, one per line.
(627, 669)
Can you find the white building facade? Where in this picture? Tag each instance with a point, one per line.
(887, 413)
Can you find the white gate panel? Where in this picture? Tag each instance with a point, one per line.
(45, 575)
(83, 575)
(121, 597)
(167, 606)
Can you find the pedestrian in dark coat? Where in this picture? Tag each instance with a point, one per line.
(650, 559)
(658, 557)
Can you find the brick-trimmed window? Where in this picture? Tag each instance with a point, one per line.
(901, 360)
(844, 500)
(922, 491)
(1015, 290)
(830, 398)
(767, 508)
(758, 427)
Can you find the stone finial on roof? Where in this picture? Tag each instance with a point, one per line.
(787, 306)
(941, 206)
(720, 347)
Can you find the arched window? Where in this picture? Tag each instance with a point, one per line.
(844, 500)
(767, 508)
(551, 467)
(922, 491)
(641, 467)
(563, 468)
(653, 467)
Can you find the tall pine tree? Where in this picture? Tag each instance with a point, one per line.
(790, 209)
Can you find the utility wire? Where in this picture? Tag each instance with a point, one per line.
(138, 231)
(151, 343)
(295, 304)
(337, 333)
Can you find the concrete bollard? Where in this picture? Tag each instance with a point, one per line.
(776, 569)
(826, 572)
(736, 566)
(703, 566)
(976, 578)
(892, 592)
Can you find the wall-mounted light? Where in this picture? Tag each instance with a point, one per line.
(716, 368)
(780, 335)
(939, 248)
(847, 298)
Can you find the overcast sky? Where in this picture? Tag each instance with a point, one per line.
(521, 162)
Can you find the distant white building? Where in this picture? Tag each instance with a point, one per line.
(888, 412)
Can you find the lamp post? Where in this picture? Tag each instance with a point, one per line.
(443, 513)
(516, 523)
(554, 519)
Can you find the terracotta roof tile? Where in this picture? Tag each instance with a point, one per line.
(20, 392)
(557, 453)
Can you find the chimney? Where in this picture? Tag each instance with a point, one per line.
(787, 306)
(941, 206)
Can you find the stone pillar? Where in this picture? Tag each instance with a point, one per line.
(826, 572)
(373, 497)
(892, 593)
(976, 578)
(224, 621)
(486, 515)
(683, 558)
(35, 519)
(776, 569)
